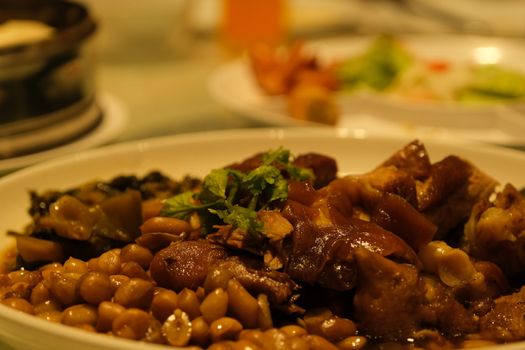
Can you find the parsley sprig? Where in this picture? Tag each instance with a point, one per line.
(232, 197)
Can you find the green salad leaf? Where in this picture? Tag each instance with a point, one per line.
(492, 82)
(378, 67)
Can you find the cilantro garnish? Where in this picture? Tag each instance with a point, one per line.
(232, 197)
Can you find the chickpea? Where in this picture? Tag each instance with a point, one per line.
(264, 319)
(40, 294)
(189, 303)
(64, 287)
(314, 318)
(293, 330)
(154, 333)
(107, 312)
(79, 315)
(133, 270)
(177, 328)
(132, 324)
(46, 306)
(224, 328)
(217, 278)
(165, 224)
(200, 331)
(319, 343)
(30, 278)
(48, 269)
(223, 345)
(201, 293)
(164, 303)
(52, 316)
(298, 343)
(336, 328)
(19, 304)
(242, 304)
(275, 339)
(215, 305)
(151, 208)
(92, 264)
(245, 345)
(109, 262)
(255, 336)
(117, 281)
(95, 287)
(138, 254)
(352, 343)
(19, 290)
(75, 265)
(136, 293)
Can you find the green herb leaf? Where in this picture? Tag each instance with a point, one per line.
(216, 181)
(298, 173)
(181, 206)
(260, 178)
(223, 191)
(240, 217)
(280, 155)
(178, 206)
(279, 191)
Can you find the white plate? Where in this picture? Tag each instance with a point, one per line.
(233, 86)
(196, 154)
(112, 124)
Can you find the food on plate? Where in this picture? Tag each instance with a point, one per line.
(281, 252)
(300, 76)
(386, 66)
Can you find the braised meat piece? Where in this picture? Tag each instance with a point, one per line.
(256, 279)
(355, 197)
(393, 301)
(186, 264)
(324, 168)
(325, 254)
(496, 231)
(445, 191)
(413, 159)
(506, 321)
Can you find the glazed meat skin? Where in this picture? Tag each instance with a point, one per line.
(325, 255)
(445, 191)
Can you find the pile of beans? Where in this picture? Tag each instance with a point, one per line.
(114, 294)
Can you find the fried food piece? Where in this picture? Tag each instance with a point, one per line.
(313, 103)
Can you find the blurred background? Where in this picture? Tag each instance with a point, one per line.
(151, 61)
(169, 48)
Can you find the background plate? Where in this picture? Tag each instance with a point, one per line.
(113, 121)
(233, 86)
